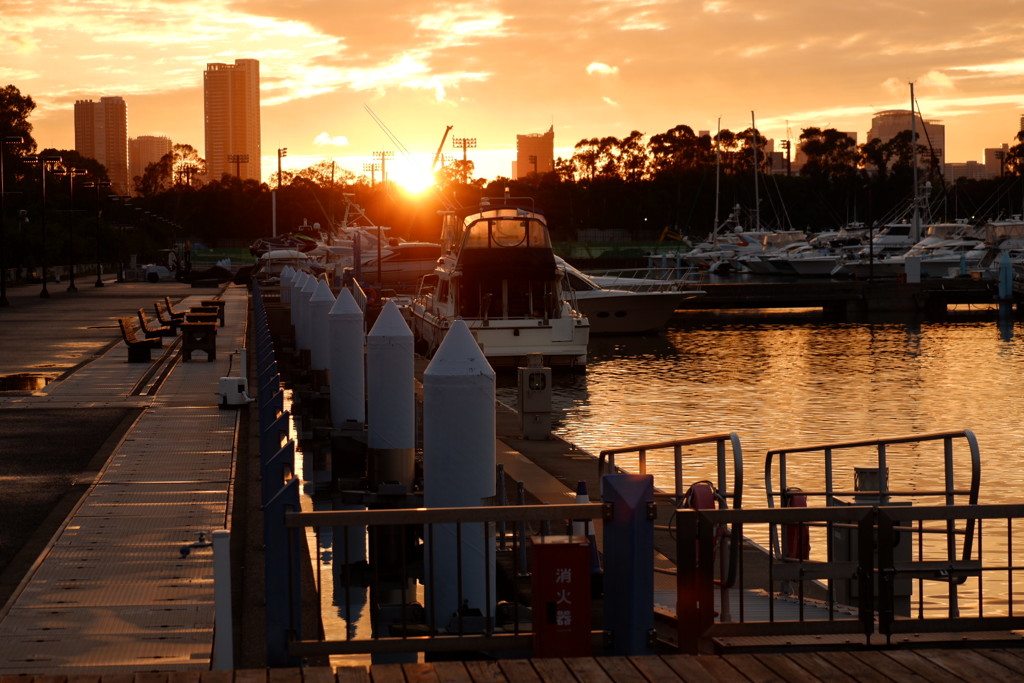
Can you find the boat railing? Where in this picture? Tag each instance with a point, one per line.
(878, 571)
(650, 278)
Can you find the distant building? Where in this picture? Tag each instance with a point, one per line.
(145, 150)
(885, 125)
(231, 97)
(101, 133)
(535, 153)
(971, 170)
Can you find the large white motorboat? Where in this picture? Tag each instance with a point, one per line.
(498, 273)
(620, 311)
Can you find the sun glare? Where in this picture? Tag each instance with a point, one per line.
(413, 179)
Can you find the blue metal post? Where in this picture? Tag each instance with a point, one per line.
(629, 562)
(283, 580)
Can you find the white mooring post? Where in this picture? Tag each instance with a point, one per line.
(346, 361)
(319, 307)
(302, 335)
(390, 400)
(296, 286)
(459, 462)
(287, 273)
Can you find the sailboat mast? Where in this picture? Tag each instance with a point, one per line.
(757, 196)
(915, 220)
(718, 177)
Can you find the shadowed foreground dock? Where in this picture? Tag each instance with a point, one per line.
(867, 665)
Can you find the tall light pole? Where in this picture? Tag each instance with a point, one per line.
(464, 143)
(71, 173)
(372, 168)
(99, 211)
(44, 164)
(281, 152)
(8, 140)
(383, 156)
(238, 160)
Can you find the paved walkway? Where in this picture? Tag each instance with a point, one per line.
(112, 591)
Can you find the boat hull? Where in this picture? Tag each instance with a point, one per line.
(506, 342)
(628, 312)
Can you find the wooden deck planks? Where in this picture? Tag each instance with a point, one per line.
(979, 666)
(905, 666)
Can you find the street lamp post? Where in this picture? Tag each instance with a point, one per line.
(98, 184)
(71, 173)
(44, 163)
(11, 139)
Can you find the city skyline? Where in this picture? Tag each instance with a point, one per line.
(344, 83)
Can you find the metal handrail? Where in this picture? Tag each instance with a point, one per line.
(606, 462)
(874, 570)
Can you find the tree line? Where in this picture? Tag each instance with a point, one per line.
(677, 182)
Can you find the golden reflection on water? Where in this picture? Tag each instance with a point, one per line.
(793, 384)
(789, 384)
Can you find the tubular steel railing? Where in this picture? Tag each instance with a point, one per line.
(875, 590)
(730, 490)
(410, 627)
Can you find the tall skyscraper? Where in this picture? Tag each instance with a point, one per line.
(101, 133)
(231, 94)
(535, 153)
(145, 150)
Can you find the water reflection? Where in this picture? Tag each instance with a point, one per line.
(791, 383)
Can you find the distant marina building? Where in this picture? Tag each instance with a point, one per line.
(145, 150)
(101, 133)
(885, 125)
(231, 97)
(535, 153)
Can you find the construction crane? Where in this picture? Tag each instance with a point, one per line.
(440, 147)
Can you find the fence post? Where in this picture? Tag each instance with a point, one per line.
(629, 562)
(283, 581)
(866, 572)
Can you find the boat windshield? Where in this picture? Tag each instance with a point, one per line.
(506, 231)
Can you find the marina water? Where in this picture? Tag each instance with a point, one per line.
(783, 381)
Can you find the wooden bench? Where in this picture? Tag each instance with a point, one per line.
(139, 350)
(170, 321)
(153, 330)
(199, 337)
(218, 304)
(170, 309)
(201, 314)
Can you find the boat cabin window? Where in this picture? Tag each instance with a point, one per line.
(504, 233)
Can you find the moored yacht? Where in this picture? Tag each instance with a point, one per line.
(497, 272)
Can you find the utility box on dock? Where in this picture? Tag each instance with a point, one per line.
(561, 597)
(845, 543)
(535, 398)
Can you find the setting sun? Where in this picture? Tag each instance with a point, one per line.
(411, 177)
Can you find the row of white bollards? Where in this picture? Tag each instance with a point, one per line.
(459, 427)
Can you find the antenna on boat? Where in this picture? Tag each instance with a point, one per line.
(718, 176)
(915, 220)
(757, 195)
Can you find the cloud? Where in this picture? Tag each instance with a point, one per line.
(463, 24)
(328, 139)
(936, 80)
(601, 69)
(610, 101)
(715, 7)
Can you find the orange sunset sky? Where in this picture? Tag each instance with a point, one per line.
(493, 69)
